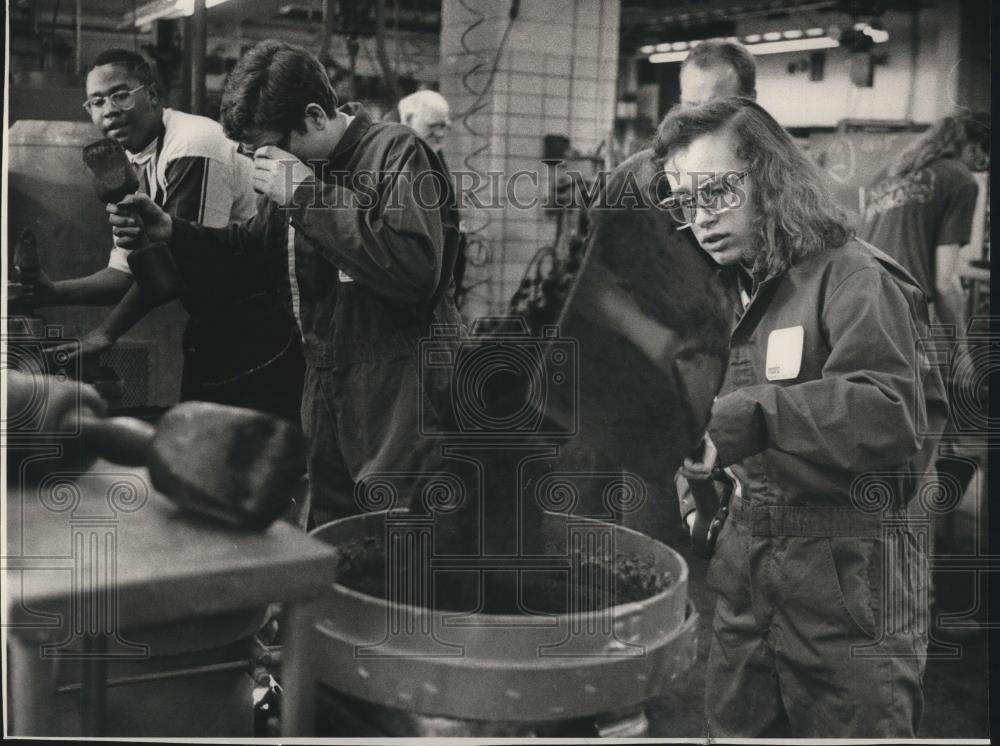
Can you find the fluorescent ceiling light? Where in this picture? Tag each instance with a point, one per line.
(668, 56)
(794, 41)
(877, 35)
(648, 49)
(767, 47)
(793, 45)
(160, 9)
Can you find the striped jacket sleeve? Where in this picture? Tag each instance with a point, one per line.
(197, 189)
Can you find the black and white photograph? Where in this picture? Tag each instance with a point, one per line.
(497, 371)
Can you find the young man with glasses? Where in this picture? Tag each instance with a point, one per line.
(821, 618)
(349, 207)
(240, 345)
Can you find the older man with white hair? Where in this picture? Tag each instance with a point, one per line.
(426, 113)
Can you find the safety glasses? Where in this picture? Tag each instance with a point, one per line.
(721, 194)
(249, 148)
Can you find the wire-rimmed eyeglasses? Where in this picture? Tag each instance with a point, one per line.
(121, 100)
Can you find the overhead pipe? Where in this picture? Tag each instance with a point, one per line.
(199, 24)
(79, 37)
(388, 73)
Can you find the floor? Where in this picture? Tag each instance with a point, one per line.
(955, 687)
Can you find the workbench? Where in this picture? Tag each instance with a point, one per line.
(128, 617)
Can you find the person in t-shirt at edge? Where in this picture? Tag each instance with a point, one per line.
(241, 346)
(919, 211)
(919, 208)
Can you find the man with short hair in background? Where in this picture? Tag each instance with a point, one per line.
(715, 70)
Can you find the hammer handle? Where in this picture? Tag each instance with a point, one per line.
(122, 440)
(706, 502)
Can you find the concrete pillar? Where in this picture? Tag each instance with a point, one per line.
(555, 74)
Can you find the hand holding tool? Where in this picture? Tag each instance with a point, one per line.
(711, 508)
(113, 175)
(152, 266)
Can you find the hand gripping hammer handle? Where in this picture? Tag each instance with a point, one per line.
(121, 440)
(711, 509)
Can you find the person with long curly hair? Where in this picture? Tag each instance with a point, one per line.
(820, 620)
(919, 208)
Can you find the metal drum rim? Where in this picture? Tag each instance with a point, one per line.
(626, 609)
(455, 700)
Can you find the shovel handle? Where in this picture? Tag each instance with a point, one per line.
(122, 440)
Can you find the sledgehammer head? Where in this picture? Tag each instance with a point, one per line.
(237, 465)
(113, 176)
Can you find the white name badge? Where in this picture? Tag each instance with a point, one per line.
(343, 276)
(784, 353)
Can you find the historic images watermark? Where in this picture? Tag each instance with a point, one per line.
(547, 187)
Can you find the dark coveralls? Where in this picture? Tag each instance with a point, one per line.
(372, 248)
(822, 608)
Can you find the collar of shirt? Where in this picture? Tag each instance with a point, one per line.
(746, 284)
(145, 155)
(144, 162)
(360, 124)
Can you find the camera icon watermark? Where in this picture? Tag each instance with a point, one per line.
(498, 381)
(966, 360)
(42, 360)
(570, 586)
(906, 562)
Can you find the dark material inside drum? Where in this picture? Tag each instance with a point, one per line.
(580, 584)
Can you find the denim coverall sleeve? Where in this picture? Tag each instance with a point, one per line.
(863, 413)
(387, 232)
